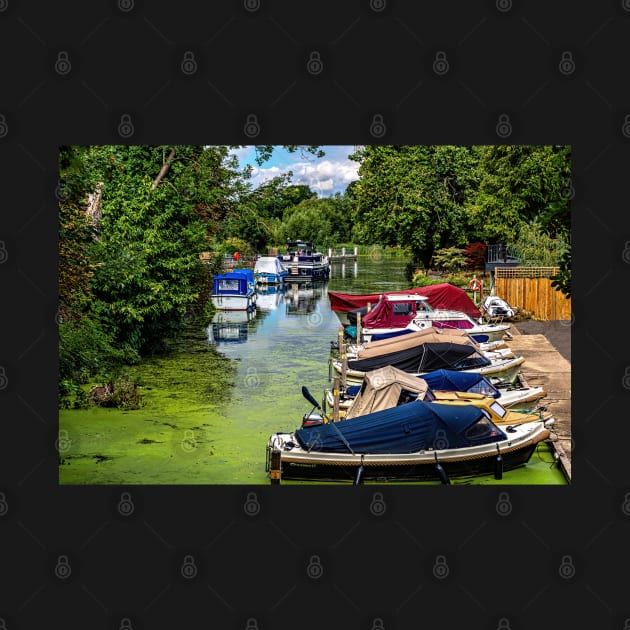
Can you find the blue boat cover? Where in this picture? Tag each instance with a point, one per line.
(396, 333)
(425, 357)
(454, 381)
(237, 282)
(248, 273)
(407, 428)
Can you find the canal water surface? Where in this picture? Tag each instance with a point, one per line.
(211, 405)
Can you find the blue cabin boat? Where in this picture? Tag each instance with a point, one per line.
(304, 262)
(234, 290)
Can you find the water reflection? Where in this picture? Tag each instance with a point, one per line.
(269, 296)
(344, 269)
(301, 298)
(230, 326)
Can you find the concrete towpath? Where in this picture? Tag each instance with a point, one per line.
(546, 367)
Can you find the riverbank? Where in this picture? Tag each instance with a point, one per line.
(546, 346)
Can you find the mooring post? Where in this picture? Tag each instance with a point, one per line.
(356, 249)
(274, 473)
(344, 365)
(336, 399)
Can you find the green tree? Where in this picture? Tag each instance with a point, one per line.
(412, 196)
(518, 184)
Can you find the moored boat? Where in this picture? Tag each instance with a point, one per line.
(234, 290)
(269, 270)
(443, 295)
(304, 262)
(389, 386)
(426, 357)
(497, 308)
(412, 441)
(396, 313)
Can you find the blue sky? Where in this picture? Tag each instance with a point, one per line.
(325, 176)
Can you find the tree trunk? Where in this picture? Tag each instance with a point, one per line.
(164, 169)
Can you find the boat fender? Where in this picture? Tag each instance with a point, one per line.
(357, 480)
(441, 472)
(498, 465)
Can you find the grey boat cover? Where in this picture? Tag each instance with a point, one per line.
(426, 357)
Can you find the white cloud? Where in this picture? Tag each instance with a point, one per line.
(325, 176)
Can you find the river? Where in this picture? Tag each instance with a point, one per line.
(211, 406)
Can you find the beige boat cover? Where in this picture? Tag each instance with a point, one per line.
(381, 389)
(411, 340)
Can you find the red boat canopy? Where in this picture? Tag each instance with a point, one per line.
(440, 296)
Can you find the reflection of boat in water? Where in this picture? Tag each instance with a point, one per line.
(269, 296)
(230, 326)
(302, 297)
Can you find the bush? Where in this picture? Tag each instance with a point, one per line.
(476, 255)
(120, 393)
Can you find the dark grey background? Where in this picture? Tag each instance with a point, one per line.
(314, 72)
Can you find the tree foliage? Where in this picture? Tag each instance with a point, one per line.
(412, 196)
(428, 198)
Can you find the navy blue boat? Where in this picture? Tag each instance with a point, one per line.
(413, 441)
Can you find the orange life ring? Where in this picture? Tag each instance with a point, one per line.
(474, 285)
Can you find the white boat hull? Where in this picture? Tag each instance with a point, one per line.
(233, 302)
(296, 462)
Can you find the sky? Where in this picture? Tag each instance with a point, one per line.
(325, 176)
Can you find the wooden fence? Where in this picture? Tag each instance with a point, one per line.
(529, 288)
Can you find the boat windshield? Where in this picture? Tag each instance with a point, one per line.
(498, 409)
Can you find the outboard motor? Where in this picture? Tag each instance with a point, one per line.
(312, 420)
